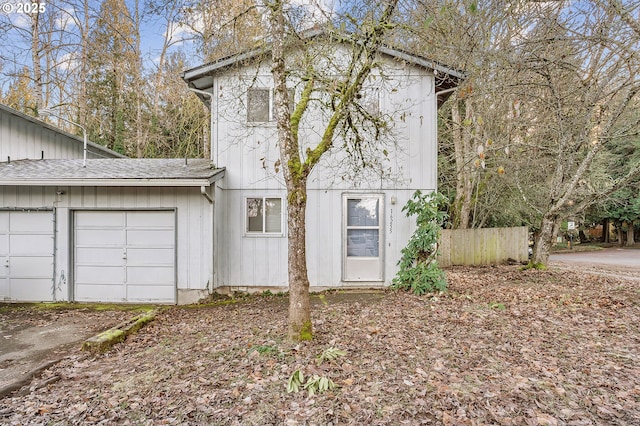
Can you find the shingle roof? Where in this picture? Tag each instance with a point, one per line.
(110, 171)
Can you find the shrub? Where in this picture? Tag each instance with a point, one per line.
(419, 271)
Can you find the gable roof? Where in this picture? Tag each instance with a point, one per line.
(94, 148)
(201, 77)
(110, 172)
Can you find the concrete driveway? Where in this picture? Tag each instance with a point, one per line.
(611, 259)
(33, 336)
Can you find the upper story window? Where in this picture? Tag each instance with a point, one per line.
(258, 105)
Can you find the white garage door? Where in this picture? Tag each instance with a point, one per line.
(26, 255)
(124, 256)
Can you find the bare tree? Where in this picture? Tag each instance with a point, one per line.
(296, 164)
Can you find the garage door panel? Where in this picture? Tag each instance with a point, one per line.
(150, 256)
(100, 219)
(150, 276)
(95, 256)
(150, 237)
(31, 267)
(102, 237)
(113, 275)
(151, 219)
(31, 245)
(4, 245)
(140, 293)
(4, 222)
(99, 293)
(31, 290)
(31, 222)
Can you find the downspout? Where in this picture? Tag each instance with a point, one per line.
(210, 95)
(210, 283)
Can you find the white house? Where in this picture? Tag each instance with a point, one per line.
(174, 230)
(355, 227)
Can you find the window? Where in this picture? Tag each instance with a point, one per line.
(363, 227)
(258, 105)
(264, 215)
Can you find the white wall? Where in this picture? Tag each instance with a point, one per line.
(23, 137)
(249, 153)
(194, 225)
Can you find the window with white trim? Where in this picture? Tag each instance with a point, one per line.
(263, 216)
(260, 104)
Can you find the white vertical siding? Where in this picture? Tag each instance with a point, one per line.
(23, 137)
(245, 261)
(194, 225)
(250, 150)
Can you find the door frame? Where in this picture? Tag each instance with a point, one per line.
(380, 197)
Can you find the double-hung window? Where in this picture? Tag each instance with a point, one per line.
(263, 216)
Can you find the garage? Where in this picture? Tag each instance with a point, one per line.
(112, 230)
(26, 255)
(125, 256)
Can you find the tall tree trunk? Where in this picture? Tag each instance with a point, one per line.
(35, 57)
(464, 177)
(300, 327)
(630, 234)
(606, 237)
(299, 304)
(545, 240)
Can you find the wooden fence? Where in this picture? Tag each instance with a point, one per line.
(484, 246)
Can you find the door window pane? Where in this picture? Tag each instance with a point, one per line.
(363, 242)
(362, 212)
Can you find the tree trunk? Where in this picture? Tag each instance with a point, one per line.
(464, 173)
(544, 241)
(606, 237)
(300, 327)
(35, 57)
(299, 305)
(621, 234)
(630, 234)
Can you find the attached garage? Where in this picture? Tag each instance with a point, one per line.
(117, 230)
(124, 256)
(26, 255)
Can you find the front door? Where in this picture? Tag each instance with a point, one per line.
(362, 237)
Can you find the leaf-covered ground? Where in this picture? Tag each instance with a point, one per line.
(503, 347)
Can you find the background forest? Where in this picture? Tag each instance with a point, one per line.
(543, 130)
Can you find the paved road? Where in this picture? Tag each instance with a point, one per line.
(625, 259)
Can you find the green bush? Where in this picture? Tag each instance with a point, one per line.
(419, 271)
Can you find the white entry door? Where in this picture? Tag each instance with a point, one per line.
(362, 237)
(124, 256)
(26, 256)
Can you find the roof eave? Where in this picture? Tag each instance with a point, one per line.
(103, 182)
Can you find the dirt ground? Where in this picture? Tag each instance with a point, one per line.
(503, 346)
(33, 335)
